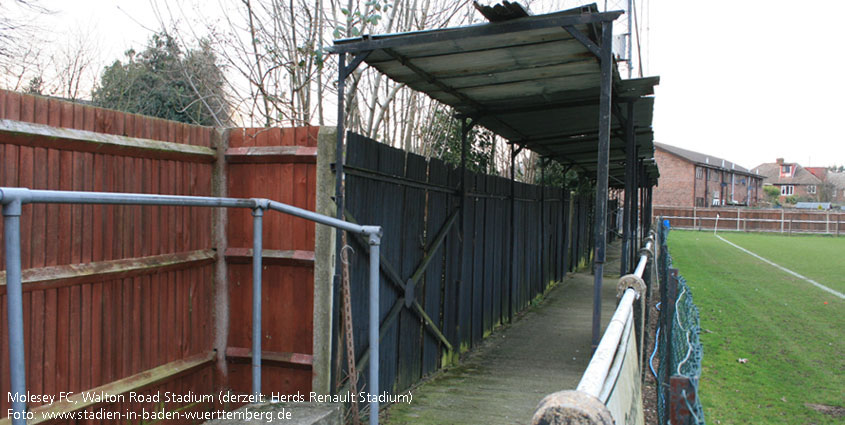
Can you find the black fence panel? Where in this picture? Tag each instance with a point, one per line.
(447, 283)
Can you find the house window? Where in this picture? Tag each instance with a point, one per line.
(699, 173)
(787, 190)
(811, 189)
(786, 169)
(699, 202)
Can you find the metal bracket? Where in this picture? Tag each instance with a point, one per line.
(356, 61)
(630, 281)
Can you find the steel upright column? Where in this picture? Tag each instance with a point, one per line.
(14, 309)
(465, 262)
(542, 239)
(257, 246)
(512, 283)
(630, 160)
(602, 173)
(375, 318)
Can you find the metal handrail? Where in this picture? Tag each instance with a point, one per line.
(601, 371)
(12, 199)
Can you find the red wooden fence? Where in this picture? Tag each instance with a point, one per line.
(278, 164)
(140, 314)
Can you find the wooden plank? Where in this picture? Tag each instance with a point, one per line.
(298, 360)
(272, 257)
(50, 330)
(478, 242)
(35, 379)
(37, 135)
(451, 291)
(413, 240)
(390, 161)
(437, 210)
(72, 274)
(271, 154)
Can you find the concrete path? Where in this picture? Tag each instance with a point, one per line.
(503, 380)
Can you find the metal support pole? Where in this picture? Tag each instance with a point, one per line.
(630, 160)
(465, 262)
(544, 277)
(375, 245)
(14, 308)
(341, 130)
(257, 246)
(602, 174)
(513, 235)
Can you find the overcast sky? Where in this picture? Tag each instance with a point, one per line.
(748, 81)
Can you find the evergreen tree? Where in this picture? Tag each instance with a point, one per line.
(165, 82)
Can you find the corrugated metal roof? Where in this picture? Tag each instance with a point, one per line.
(526, 79)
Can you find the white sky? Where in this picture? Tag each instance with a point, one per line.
(748, 80)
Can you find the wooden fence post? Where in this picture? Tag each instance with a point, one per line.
(827, 223)
(781, 219)
(790, 228)
(737, 218)
(681, 393)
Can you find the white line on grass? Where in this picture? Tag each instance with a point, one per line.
(819, 285)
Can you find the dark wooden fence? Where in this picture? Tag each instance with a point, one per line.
(442, 286)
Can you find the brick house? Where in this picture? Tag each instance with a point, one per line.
(692, 179)
(805, 183)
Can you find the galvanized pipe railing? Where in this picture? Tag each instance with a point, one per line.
(595, 387)
(13, 198)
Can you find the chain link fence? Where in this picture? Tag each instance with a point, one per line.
(679, 348)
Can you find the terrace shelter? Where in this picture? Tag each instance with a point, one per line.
(548, 83)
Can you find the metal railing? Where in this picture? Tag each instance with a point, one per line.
(13, 198)
(592, 397)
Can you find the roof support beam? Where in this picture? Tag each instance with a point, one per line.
(356, 61)
(580, 36)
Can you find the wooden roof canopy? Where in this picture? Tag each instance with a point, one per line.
(526, 78)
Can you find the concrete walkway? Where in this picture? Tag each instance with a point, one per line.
(503, 380)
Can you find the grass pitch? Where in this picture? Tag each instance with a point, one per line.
(792, 333)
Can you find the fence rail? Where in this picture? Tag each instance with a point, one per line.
(13, 198)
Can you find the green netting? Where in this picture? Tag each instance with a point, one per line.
(682, 355)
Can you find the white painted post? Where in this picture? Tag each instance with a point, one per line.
(737, 218)
(827, 223)
(781, 219)
(693, 218)
(717, 224)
